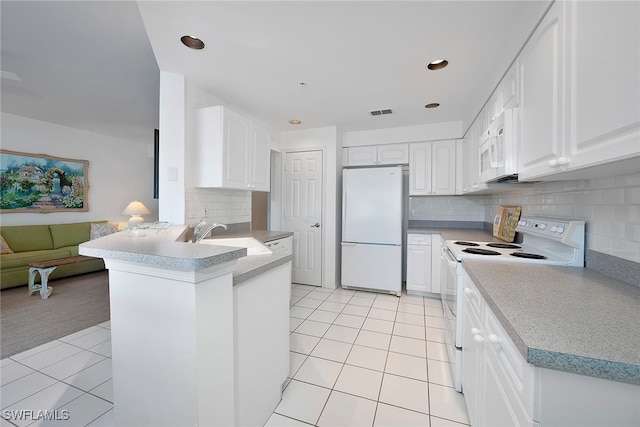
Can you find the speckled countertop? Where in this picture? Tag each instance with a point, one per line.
(566, 318)
(165, 248)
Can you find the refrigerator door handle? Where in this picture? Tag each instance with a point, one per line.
(347, 244)
(344, 202)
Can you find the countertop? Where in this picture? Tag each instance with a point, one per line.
(165, 248)
(566, 318)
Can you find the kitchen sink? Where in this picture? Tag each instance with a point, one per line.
(253, 246)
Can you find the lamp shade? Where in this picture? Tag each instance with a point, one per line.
(135, 209)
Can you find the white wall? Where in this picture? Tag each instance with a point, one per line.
(171, 190)
(120, 171)
(325, 139)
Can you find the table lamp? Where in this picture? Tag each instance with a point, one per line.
(135, 209)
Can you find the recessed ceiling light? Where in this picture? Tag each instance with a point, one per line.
(192, 42)
(295, 122)
(432, 105)
(438, 64)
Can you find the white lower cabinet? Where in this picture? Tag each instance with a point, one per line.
(423, 263)
(501, 389)
(492, 372)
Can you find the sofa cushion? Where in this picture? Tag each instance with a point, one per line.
(100, 230)
(24, 238)
(4, 246)
(22, 259)
(69, 234)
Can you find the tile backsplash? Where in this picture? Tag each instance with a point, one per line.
(449, 208)
(217, 206)
(610, 206)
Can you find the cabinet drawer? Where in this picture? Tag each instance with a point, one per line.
(419, 239)
(472, 297)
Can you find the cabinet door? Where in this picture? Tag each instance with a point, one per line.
(420, 169)
(419, 268)
(497, 409)
(259, 169)
(472, 365)
(508, 90)
(443, 163)
(605, 96)
(393, 154)
(235, 150)
(366, 155)
(541, 73)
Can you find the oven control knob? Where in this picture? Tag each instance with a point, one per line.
(522, 223)
(560, 230)
(542, 226)
(493, 339)
(554, 228)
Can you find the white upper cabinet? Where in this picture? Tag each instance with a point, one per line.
(605, 82)
(260, 160)
(471, 162)
(374, 155)
(541, 71)
(432, 168)
(231, 151)
(579, 86)
(505, 96)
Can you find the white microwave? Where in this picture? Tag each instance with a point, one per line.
(499, 149)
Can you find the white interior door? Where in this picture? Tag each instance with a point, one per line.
(302, 214)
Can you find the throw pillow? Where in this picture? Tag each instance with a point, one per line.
(101, 230)
(4, 246)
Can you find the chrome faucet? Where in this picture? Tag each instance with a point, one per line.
(202, 230)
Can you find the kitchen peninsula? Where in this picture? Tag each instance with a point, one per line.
(191, 327)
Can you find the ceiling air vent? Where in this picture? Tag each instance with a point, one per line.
(380, 112)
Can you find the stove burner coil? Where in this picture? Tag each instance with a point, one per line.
(503, 245)
(479, 251)
(527, 255)
(461, 243)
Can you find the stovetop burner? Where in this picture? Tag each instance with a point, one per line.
(503, 245)
(461, 243)
(527, 255)
(480, 251)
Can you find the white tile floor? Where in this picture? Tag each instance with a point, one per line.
(357, 359)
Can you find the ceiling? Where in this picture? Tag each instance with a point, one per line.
(94, 65)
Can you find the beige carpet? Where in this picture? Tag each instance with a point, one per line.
(76, 303)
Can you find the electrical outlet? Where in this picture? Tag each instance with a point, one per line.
(454, 211)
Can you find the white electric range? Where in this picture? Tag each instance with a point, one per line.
(547, 241)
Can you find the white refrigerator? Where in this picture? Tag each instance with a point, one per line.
(372, 215)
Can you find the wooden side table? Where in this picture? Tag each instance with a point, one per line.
(45, 268)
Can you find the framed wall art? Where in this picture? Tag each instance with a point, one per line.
(42, 183)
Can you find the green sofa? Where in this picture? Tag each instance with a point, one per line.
(42, 243)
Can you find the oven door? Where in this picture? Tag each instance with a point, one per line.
(451, 300)
(449, 291)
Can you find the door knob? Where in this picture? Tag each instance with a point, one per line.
(316, 225)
